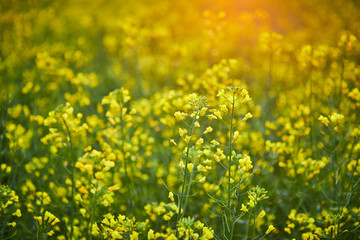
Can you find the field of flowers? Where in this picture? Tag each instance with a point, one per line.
(160, 119)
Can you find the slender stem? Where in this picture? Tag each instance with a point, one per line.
(231, 217)
(189, 187)
(311, 109)
(127, 177)
(335, 180)
(92, 211)
(122, 144)
(341, 77)
(254, 227)
(72, 179)
(230, 152)
(235, 219)
(248, 225)
(333, 161)
(232, 230)
(38, 232)
(269, 82)
(181, 200)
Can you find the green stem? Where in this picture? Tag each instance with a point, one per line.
(248, 225)
(254, 226)
(311, 111)
(230, 152)
(122, 144)
(38, 232)
(231, 218)
(127, 177)
(72, 180)
(232, 229)
(189, 187)
(181, 200)
(92, 212)
(341, 77)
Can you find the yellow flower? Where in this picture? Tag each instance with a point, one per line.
(82, 190)
(207, 130)
(171, 196)
(111, 157)
(108, 165)
(199, 141)
(83, 211)
(182, 132)
(251, 203)
(13, 224)
(247, 116)
(223, 108)
(187, 139)
(220, 93)
(324, 120)
(39, 219)
(56, 220)
(208, 234)
(236, 136)
(116, 235)
(95, 229)
(203, 111)
(270, 228)
(99, 175)
(261, 214)
(336, 117)
(247, 99)
(151, 234)
(218, 114)
(17, 213)
(202, 180)
(49, 216)
(287, 230)
(180, 115)
(134, 235)
(113, 188)
(190, 167)
(167, 217)
(171, 237)
(211, 116)
(244, 208)
(173, 141)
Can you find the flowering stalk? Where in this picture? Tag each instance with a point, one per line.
(45, 225)
(232, 95)
(229, 207)
(117, 114)
(182, 196)
(189, 184)
(72, 173)
(127, 177)
(92, 213)
(199, 105)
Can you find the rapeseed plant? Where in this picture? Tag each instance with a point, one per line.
(191, 152)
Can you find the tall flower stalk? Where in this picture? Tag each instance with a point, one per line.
(66, 128)
(234, 97)
(72, 173)
(199, 108)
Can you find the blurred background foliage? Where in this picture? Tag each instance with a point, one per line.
(88, 93)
